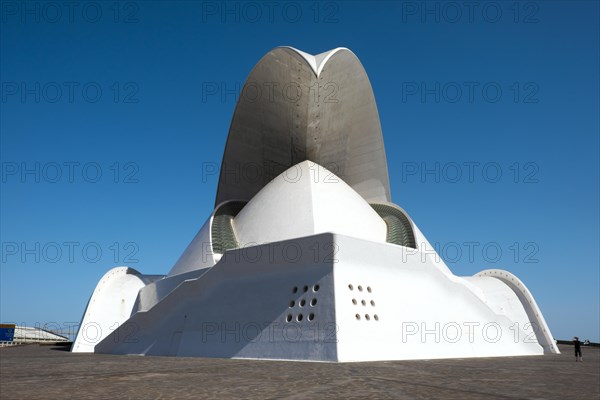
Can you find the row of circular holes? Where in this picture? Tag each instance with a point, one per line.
(302, 303)
(363, 302)
(300, 317)
(311, 317)
(315, 288)
(367, 317)
(360, 288)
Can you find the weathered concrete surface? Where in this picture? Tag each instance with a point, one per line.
(287, 114)
(41, 372)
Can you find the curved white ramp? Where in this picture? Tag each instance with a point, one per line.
(537, 323)
(110, 306)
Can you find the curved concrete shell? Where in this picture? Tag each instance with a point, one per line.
(295, 107)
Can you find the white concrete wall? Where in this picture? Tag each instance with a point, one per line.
(411, 309)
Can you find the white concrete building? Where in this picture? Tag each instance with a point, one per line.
(305, 257)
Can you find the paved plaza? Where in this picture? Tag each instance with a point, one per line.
(46, 372)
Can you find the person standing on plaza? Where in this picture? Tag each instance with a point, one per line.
(577, 344)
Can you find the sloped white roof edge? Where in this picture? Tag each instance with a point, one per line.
(305, 200)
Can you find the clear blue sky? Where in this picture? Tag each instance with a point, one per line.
(95, 88)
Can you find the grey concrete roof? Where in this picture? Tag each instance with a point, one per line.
(295, 107)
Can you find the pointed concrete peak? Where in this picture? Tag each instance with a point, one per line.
(322, 58)
(307, 171)
(317, 62)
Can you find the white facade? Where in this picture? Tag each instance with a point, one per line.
(312, 261)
